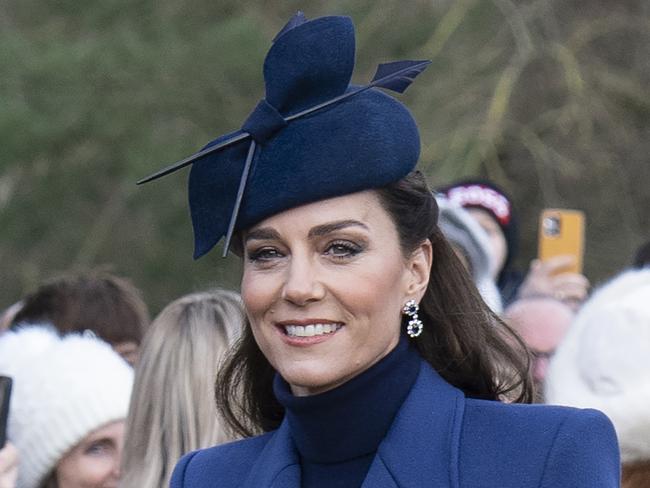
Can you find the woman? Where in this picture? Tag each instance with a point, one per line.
(66, 418)
(110, 306)
(471, 244)
(492, 208)
(172, 408)
(369, 359)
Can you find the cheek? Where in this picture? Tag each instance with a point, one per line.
(79, 470)
(498, 250)
(257, 293)
(81, 473)
(379, 295)
(503, 250)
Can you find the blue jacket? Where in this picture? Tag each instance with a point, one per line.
(438, 439)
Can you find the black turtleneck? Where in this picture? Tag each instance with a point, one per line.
(337, 433)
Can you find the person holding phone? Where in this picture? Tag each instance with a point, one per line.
(70, 398)
(493, 209)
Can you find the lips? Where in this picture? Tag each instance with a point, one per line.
(308, 329)
(311, 330)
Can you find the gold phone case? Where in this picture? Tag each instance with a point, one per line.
(562, 232)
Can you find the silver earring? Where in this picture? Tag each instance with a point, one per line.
(415, 325)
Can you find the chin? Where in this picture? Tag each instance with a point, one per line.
(307, 381)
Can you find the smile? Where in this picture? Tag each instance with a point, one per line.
(311, 330)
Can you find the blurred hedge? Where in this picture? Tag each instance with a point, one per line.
(547, 98)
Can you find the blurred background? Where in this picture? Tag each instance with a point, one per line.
(548, 98)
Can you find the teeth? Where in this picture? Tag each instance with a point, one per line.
(311, 330)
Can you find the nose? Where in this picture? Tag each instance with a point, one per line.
(302, 284)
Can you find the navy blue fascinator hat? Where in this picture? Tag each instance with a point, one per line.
(314, 136)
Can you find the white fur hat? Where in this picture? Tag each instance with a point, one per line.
(604, 361)
(461, 229)
(64, 388)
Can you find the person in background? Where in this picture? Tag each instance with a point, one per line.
(603, 363)
(172, 409)
(8, 466)
(542, 323)
(493, 210)
(108, 305)
(471, 244)
(66, 417)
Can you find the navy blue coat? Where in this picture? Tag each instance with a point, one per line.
(438, 439)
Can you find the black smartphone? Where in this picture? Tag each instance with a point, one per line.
(5, 395)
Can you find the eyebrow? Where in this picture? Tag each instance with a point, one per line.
(267, 233)
(263, 233)
(324, 229)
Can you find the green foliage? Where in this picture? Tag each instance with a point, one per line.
(547, 98)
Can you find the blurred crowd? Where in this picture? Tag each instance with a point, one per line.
(104, 397)
(101, 396)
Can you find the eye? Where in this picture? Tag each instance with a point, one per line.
(343, 249)
(98, 448)
(264, 254)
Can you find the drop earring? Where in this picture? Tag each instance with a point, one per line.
(415, 325)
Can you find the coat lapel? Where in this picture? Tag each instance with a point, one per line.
(278, 465)
(421, 448)
(379, 475)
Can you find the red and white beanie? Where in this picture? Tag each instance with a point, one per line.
(485, 195)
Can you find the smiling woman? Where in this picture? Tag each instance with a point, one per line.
(369, 358)
(324, 285)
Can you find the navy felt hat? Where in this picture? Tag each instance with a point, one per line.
(314, 136)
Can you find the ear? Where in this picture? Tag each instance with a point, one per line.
(419, 270)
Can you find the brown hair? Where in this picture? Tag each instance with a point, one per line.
(110, 306)
(636, 475)
(463, 339)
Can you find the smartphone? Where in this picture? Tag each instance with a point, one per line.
(562, 232)
(5, 395)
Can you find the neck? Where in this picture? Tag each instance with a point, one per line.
(352, 419)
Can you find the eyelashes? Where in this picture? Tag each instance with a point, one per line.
(98, 448)
(264, 254)
(339, 249)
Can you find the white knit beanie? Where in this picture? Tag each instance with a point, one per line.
(64, 388)
(604, 361)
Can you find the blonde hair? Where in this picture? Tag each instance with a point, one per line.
(172, 409)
